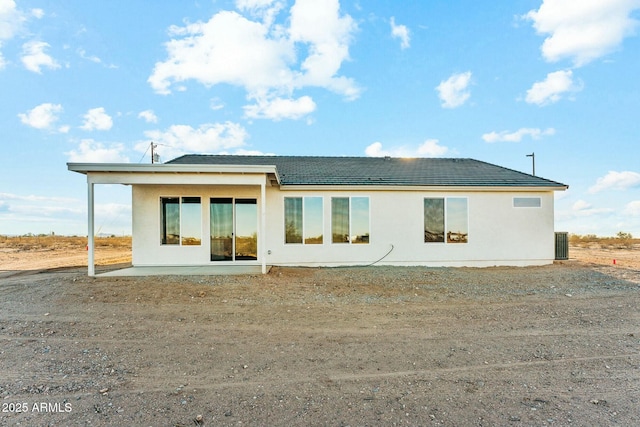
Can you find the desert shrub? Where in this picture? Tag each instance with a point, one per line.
(621, 240)
(51, 242)
(583, 240)
(625, 240)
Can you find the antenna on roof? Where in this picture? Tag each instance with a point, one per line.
(155, 157)
(533, 160)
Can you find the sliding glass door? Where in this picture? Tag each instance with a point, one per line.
(234, 229)
(221, 229)
(246, 247)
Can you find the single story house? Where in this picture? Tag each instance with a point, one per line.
(227, 210)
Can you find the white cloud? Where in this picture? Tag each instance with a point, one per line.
(216, 104)
(583, 30)
(429, 148)
(280, 108)
(453, 91)
(227, 49)
(207, 139)
(582, 209)
(34, 198)
(11, 19)
(95, 59)
(632, 208)
(149, 116)
(97, 119)
(552, 88)
(11, 23)
(583, 217)
(616, 181)
(33, 213)
(581, 205)
(37, 13)
(112, 218)
(92, 58)
(41, 117)
(266, 10)
(257, 5)
(327, 36)
(375, 150)
(90, 151)
(64, 215)
(34, 57)
(400, 32)
(260, 55)
(506, 136)
(42, 212)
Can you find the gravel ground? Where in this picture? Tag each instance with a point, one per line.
(555, 345)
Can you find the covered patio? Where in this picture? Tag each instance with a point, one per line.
(174, 176)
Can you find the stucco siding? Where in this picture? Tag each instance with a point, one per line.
(147, 249)
(498, 232)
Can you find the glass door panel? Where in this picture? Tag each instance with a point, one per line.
(246, 242)
(221, 229)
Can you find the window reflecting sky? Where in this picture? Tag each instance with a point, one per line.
(312, 217)
(359, 216)
(191, 213)
(457, 218)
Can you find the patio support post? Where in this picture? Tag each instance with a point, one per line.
(90, 231)
(263, 225)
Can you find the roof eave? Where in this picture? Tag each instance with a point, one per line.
(86, 168)
(449, 188)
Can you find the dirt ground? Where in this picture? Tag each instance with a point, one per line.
(556, 345)
(33, 254)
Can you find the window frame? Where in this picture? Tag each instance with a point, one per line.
(446, 239)
(424, 220)
(190, 200)
(527, 199)
(304, 220)
(350, 240)
(448, 232)
(163, 224)
(164, 240)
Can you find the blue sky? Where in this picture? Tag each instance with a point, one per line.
(86, 81)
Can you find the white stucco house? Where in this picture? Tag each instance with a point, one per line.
(221, 210)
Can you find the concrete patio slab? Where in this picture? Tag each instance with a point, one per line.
(204, 270)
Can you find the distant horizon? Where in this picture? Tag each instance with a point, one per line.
(107, 235)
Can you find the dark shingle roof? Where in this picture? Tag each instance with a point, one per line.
(299, 170)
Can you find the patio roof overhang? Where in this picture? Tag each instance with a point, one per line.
(128, 174)
(170, 174)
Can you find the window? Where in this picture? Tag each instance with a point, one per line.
(526, 202)
(293, 219)
(350, 220)
(433, 220)
(191, 223)
(313, 224)
(457, 220)
(446, 220)
(303, 220)
(246, 242)
(233, 229)
(180, 221)
(170, 207)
